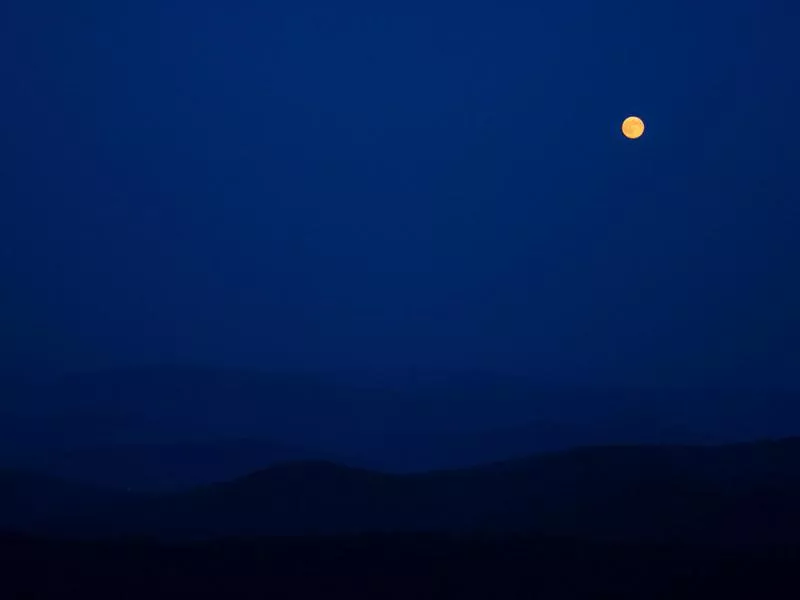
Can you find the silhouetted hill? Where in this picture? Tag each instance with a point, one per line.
(727, 493)
(732, 494)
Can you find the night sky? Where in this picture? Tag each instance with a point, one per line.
(438, 185)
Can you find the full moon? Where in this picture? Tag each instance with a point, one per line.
(632, 127)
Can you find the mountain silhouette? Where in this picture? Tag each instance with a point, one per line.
(734, 493)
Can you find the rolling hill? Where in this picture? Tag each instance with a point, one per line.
(734, 493)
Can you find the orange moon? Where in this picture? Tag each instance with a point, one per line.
(632, 127)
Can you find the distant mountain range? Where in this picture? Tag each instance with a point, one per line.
(159, 466)
(168, 427)
(162, 466)
(732, 493)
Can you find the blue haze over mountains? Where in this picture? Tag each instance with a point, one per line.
(172, 427)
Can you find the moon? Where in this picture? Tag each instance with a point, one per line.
(632, 128)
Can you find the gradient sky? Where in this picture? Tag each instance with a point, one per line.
(392, 185)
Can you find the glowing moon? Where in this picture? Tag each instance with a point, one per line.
(632, 127)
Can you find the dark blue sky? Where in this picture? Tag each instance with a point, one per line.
(391, 185)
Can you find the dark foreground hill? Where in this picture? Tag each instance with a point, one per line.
(393, 567)
(728, 494)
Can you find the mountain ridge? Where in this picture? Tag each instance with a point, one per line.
(401, 424)
(742, 492)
